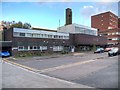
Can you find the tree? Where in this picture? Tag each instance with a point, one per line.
(26, 26)
(21, 25)
(18, 25)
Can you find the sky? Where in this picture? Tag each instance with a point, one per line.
(47, 14)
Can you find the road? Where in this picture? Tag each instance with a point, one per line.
(92, 70)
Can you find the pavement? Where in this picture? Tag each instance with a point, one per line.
(0, 73)
(80, 70)
(16, 77)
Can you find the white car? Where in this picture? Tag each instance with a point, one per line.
(114, 51)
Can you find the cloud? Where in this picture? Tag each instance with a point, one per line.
(87, 6)
(87, 11)
(99, 7)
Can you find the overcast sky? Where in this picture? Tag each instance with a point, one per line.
(48, 14)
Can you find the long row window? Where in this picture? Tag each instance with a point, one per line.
(85, 31)
(24, 48)
(17, 34)
(57, 48)
(114, 33)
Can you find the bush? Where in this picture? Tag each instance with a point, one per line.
(64, 52)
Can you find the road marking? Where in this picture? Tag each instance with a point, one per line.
(53, 68)
(26, 67)
(12, 58)
(65, 66)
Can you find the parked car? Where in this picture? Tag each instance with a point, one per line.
(99, 50)
(107, 49)
(4, 54)
(114, 51)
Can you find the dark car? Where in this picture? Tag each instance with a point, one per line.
(4, 54)
(99, 50)
(114, 51)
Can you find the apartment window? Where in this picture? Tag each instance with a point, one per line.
(109, 38)
(35, 47)
(43, 47)
(114, 38)
(38, 48)
(20, 48)
(25, 47)
(49, 36)
(31, 47)
(38, 35)
(22, 34)
(109, 33)
(29, 35)
(16, 34)
(34, 35)
(61, 37)
(110, 15)
(42, 35)
(110, 23)
(57, 48)
(55, 36)
(45, 36)
(113, 33)
(117, 33)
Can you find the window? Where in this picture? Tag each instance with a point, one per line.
(38, 48)
(22, 34)
(15, 34)
(109, 33)
(113, 33)
(34, 47)
(25, 47)
(31, 47)
(109, 38)
(117, 33)
(38, 35)
(29, 35)
(61, 37)
(20, 48)
(114, 38)
(57, 48)
(34, 35)
(43, 47)
(55, 36)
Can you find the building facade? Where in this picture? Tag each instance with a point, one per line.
(113, 36)
(85, 42)
(108, 25)
(68, 16)
(83, 37)
(41, 41)
(36, 41)
(104, 21)
(76, 28)
(119, 23)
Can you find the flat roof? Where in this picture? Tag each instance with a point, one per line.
(38, 31)
(82, 26)
(104, 13)
(33, 28)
